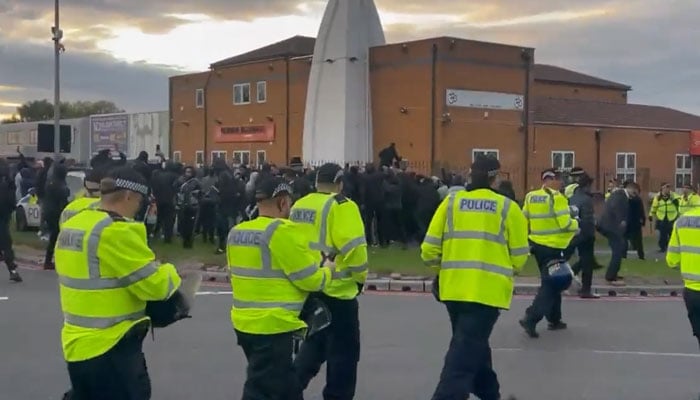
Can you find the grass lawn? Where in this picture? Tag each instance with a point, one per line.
(384, 261)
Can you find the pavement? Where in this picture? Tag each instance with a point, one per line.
(615, 349)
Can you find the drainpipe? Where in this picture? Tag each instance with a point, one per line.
(286, 113)
(171, 120)
(597, 157)
(433, 105)
(206, 116)
(527, 58)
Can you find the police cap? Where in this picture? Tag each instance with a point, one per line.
(269, 187)
(329, 173)
(486, 165)
(577, 171)
(124, 178)
(551, 173)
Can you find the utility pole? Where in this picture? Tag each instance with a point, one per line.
(57, 36)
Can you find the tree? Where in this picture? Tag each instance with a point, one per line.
(42, 110)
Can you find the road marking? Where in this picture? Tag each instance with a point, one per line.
(218, 293)
(609, 352)
(4, 298)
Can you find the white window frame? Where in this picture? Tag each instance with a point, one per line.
(242, 86)
(217, 154)
(686, 170)
(563, 154)
(258, 91)
(197, 94)
(177, 156)
(475, 152)
(257, 157)
(626, 171)
(238, 156)
(199, 157)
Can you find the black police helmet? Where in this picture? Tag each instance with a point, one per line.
(329, 173)
(269, 187)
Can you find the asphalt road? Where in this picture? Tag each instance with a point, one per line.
(614, 349)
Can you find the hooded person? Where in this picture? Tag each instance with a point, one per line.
(55, 200)
(7, 207)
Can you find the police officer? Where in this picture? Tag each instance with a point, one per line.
(664, 210)
(334, 224)
(477, 240)
(551, 230)
(689, 200)
(576, 174)
(683, 253)
(107, 274)
(90, 199)
(272, 270)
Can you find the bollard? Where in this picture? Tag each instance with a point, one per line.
(405, 288)
(372, 287)
(674, 293)
(643, 293)
(612, 293)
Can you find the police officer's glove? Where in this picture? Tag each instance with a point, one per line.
(435, 290)
(360, 288)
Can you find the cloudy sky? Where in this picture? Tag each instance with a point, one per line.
(124, 50)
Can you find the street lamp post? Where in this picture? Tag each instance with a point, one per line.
(57, 36)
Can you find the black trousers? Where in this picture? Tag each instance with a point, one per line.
(338, 346)
(166, 220)
(119, 374)
(691, 298)
(8, 254)
(185, 224)
(665, 228)
(468, 368)
(371, 217)
(223, 226)
(391, 227)
(635, 238)
(207, 219)
(52, 222)
(547, 302)
(586, 260)
(270, 372)
(616, 241)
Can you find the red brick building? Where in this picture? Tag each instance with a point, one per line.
(441, 100)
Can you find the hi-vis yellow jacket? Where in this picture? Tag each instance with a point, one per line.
(665, 208)
(477, 240)
(549, 218)
(106, 273)
(684, 248)
(335, 227)
(687, 203)
(272, 272)
(76, 206)
(570, 190)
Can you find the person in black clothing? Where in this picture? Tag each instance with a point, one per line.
(582, 204)
(55, 201)
(163, 187)
(636, 220)
(7, 207)
(613, 225)
(372, 203)
(388, 156)
(391, 225)
(351, 184)
(505, 188)
(428, 201)
(188, 198)
(409, 200)
(232, 198)
(207, 209)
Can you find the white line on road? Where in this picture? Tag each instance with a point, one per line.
(217, 293)
(610, 352)
(4, 298)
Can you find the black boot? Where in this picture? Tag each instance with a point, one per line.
(14, 275)
(529, 328)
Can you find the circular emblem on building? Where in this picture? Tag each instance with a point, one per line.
(451, 98)
(518, 102)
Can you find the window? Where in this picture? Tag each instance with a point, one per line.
(684, 170)
(218, 155)
(563, 160)
(199, 158)
(241, 157)
(485, 152)
(199, 98)
(177, 156)
(241, 93)
(626, 167)
(261, 91)
(261, 157)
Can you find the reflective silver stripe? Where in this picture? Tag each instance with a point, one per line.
(359, 269)
(475, 235)
(674, 249)
(70, 239)
(504, 216)
(323, 228)
(243, 272)
(496, 269)
(549, 214)
(265, 305)
(450, 213)
(432, 240)
(548, 231)
(323, 283)
(303, 273)
(342, 274)
(685, 249)
(351, 245)
(101, 322)
(691, 277)
(520, 251)
(66, 214)
(434, 261)
(93, 244)
(110, 283)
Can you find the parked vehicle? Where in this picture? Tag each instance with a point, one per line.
(28, 212)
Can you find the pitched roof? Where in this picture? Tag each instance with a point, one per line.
(293, 47)
(594, 113)
(550, 73)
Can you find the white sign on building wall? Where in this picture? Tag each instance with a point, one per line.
(486, 100)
